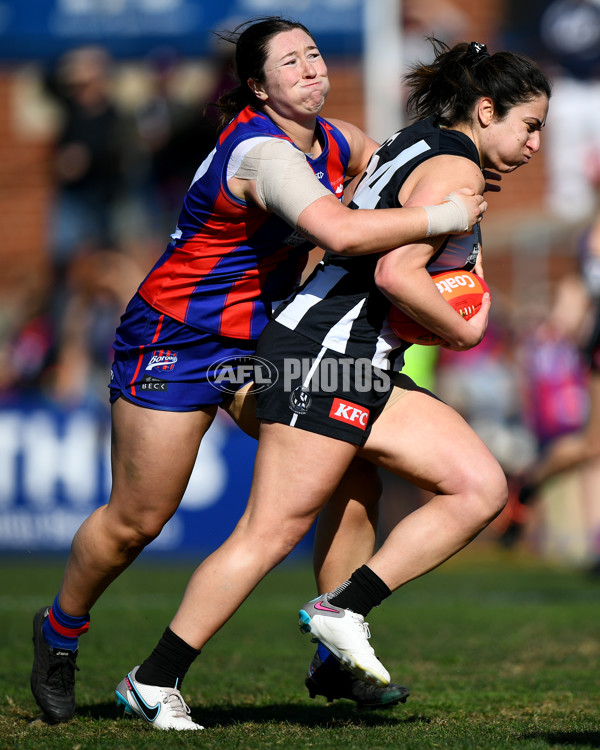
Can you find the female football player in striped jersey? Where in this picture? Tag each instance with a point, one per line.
(260, 201)
(474, 111)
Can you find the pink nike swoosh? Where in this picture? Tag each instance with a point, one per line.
(318, 605)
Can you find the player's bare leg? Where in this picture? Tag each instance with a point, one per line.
(153, 453)
(346, 529)
(427, 442)
(431, 445)
(347, 526)
(283, 504)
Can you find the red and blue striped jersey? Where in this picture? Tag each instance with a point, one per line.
(228, 261)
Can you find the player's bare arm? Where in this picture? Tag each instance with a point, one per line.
(277, 177)
(401, 274)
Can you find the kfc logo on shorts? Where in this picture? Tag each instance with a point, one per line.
(162, 360)
(346, 411)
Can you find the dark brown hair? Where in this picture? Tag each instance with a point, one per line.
(251, 40)
(448, 87)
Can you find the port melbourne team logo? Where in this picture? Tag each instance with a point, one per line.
(231, 373)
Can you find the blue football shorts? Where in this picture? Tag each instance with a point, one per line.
(160, 363)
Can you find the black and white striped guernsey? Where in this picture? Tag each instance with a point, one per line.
(339, 306)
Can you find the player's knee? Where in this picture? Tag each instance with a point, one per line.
(487, 492)
(289, 535)
(147, 530)
(497, 494)
(137, 533)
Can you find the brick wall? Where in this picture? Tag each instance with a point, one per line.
(24, 193)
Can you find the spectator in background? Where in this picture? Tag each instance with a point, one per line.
(171, 136)
(570, 36)
(482, 385)
(441, 19)
(88, 170)
(26, 337)
(100, 283)
(564, 37)
(437, 18)
(88, 156)
(568, 415)
(552, 368)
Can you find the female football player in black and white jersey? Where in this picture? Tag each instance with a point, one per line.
(276, 172)
(475, 111)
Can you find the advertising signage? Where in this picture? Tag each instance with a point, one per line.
(55, 465)
(44, 29)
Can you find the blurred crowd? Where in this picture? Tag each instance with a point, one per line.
(124, 155)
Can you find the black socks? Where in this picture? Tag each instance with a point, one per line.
(168, 664)
(363, 591)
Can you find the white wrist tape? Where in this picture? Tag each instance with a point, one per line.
(449, 217)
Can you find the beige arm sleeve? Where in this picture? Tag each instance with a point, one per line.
(448, 217)
(285, 182)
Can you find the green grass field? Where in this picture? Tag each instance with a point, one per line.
(498, 652)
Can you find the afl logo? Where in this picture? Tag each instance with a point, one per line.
(231, 373)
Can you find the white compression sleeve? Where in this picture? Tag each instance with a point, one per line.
(285, 182)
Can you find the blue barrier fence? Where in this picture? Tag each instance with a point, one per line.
(55, 469)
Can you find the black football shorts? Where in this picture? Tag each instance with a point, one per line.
(318, 389)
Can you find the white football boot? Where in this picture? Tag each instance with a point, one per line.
(346, 635)
(161, 707)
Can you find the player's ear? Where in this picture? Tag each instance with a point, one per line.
(485, 110)
(257, 90)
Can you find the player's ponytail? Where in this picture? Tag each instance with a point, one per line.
(448, 87)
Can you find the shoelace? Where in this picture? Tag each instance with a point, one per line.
(178, 706)
(361, 624)
(61, 673)
(364, 628)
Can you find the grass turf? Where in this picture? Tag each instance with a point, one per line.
(499, 652)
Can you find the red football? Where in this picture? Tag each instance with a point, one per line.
(463, 290)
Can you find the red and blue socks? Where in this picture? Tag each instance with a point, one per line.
(61, 630)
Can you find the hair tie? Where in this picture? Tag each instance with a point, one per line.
(476, 52)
